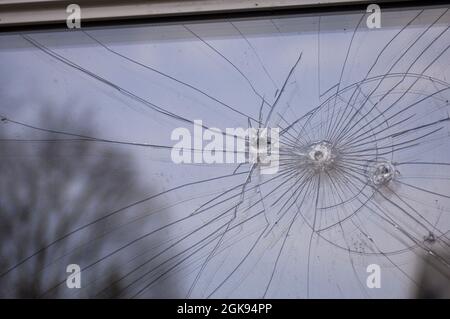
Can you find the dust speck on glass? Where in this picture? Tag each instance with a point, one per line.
(363, 168)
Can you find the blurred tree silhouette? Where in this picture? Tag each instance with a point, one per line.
(48, 188)
(433, 278)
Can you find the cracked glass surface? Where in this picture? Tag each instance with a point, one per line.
(364, 161)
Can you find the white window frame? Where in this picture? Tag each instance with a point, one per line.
(26, 13)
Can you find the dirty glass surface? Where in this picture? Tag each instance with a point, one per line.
(88, 175)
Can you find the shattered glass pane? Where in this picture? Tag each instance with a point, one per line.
(88, 177)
